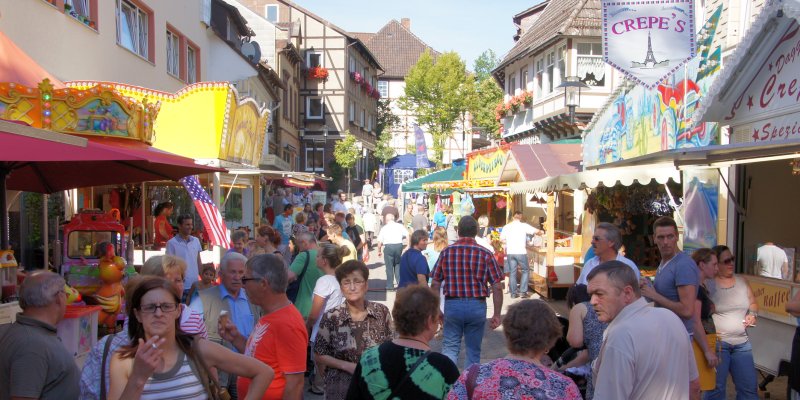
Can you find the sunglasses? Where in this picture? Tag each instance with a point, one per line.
(727, 261)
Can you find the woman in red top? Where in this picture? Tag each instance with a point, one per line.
(162, 226)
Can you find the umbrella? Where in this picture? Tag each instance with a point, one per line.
(37, 160)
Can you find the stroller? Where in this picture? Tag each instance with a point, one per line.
(562, 353)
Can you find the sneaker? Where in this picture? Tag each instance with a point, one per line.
(525, 295)
(514, 295)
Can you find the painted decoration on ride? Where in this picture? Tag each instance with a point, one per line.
(486, 164)
(639, 121)
(244, 140)
(92, 110)
(699, 209)
(648, 40)
(773, 92)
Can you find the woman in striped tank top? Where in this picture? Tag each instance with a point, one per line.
(162, 362)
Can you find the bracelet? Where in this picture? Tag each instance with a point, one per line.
(753, 313)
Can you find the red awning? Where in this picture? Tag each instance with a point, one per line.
(40, 165)
(17, 67)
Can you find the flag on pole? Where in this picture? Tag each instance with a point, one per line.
(209, 213)
(422, 149)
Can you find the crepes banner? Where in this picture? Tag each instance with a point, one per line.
(648, 40)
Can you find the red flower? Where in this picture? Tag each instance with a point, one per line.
(320, 73)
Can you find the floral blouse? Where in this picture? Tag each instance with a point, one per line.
(342, 338)
(515, 379)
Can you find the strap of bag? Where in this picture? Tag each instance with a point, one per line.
(305, 267)
(106, 348)
(472, 377)
(408, 374)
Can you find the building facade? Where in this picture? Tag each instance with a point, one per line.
(338, 92)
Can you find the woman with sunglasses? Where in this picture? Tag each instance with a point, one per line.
(162, 362)
(735, 310)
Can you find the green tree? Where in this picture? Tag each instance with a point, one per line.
(487, 94)
(485, 64)
(346, 154)
(440, 93)
(386, 121)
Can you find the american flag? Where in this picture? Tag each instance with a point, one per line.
(209, 213)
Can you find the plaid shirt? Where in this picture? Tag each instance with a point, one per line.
(466, 267)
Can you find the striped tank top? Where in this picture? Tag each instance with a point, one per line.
(180, 382)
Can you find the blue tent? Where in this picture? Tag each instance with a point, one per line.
(399, 170)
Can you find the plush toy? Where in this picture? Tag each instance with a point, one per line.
(72, 294)
(109, 296)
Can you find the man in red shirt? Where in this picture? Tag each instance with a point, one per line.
(468, 271)
(280, 338)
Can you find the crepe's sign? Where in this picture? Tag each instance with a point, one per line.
(648, 40)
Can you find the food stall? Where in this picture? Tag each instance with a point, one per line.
(756, 96)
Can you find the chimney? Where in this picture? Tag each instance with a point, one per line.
(406, 22)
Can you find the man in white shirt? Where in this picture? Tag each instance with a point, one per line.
(646, 352)
(188, 248)
(515, 237)
(606, 243)
(341, 204)
(390, 244)
(366, 193)
(772, 261)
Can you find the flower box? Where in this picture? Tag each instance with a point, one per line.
(319, 73)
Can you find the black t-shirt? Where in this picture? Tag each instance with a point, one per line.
(355, 233)
(389, 363)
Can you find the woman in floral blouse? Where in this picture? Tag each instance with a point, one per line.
(349, 329)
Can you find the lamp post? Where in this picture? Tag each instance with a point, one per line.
(572, 94)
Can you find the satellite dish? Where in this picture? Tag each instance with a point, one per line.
(252, 51)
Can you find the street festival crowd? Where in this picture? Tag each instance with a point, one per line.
(290, 307)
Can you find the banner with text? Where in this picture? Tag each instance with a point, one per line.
(422, 149)
(648, 40)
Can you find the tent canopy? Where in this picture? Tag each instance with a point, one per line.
(17, 67)
(451, 174)
(406, 161)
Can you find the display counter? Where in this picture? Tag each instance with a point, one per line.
(561, 272)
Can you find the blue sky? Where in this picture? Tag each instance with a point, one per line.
(467, 27)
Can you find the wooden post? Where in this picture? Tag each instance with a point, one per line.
(550, 228)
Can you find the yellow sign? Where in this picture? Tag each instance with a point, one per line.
(771, 298)
(486, 165)
(244, 139)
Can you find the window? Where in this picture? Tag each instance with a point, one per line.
(512, 84)
(353, 64)
(271, 13)
(369, 124)
(561, 64)
(315, 157)
(539, 77)
(132, 28)
(173, 54)
(80, 7)
(401, 176)
(191, 64)
(314, 108)
(314, 59)
(591, 68)
(363, 115)
(383, 88)
(523, 78)
(550, 70)
(352, 111)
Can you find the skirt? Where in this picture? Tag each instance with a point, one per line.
(708, 375)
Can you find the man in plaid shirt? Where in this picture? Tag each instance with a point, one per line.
(466, 271)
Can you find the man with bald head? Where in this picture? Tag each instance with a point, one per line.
(34, 364)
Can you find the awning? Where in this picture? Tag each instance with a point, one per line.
(531, 162)
(592, 179)
(17, 67)
(449, 174)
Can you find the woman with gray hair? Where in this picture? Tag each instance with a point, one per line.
(531, 329)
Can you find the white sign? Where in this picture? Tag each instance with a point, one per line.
(775, 89)
(782, 128)
(648, 40)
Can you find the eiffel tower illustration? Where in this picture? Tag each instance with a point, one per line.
(650, 58)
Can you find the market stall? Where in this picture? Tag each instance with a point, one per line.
(756, 96)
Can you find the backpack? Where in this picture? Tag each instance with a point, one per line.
(294, 288)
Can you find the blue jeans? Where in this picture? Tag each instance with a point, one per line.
(391, 257)
(467, 318)
(738, 361)
(518, 261)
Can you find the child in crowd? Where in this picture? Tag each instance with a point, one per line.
(208, 278)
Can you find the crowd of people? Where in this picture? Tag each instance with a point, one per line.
(292, 303)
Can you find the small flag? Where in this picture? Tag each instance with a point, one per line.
(422, 150)
(209, 213)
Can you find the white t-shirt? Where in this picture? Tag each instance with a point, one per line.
(595, 261)
(392, 233)
(515, 235)
(770, 259)
(327, 287)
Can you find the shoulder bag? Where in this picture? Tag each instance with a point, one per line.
(294, 288)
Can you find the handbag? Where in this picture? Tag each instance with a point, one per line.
(294, 288)
(472, 377)
(408, 375)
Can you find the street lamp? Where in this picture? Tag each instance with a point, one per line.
(572, 94)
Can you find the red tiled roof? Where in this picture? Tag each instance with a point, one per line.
(559, 18)
(396, 48)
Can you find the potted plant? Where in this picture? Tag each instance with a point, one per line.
(320, 73)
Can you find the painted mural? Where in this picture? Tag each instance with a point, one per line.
(640, 121)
